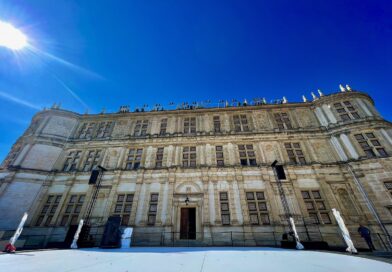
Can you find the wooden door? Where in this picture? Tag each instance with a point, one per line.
(188, 223)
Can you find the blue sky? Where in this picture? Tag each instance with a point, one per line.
(95, 54)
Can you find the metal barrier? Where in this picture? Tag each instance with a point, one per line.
(40, 238)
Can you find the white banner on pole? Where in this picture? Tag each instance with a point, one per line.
(19, 230)
(74, 244)
(297, 241)
(344, 231)
(126, 238)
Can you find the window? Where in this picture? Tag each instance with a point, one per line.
(72, 210)
(316, 207)
(140, 128)
(346, 111)
(189, 156)
(219, 156)
(257, 206)
(123, 208)
(295, 153)
(163, 127)
(217, 124)
(370, 145)
(282, 120)
(48, 210)
(86, 130)
(133, 159)
(104, 129)
(247, 155)
(240, 123)
(225, 209)
(388, 185)
(92, 160)
(159, 157)
(152, 210)
(72, 161)
(190, 125)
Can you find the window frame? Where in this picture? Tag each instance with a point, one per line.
(124, 203)
(225, 213)
(282, 120)
(189, 156)
(241, 123)
(346, 110)
(366, 141)
(152, 214)
(258, 197)
(317, 214)
(189, 125)
(134, 158)
(295, 153)
(248, 159)
(46, 214)
(74, 201)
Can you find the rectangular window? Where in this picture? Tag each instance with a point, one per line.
(123, 208)
(217, 124)
(189, 156)
(159, 157)
(388, 185)
(140, 128)
(219, 156)
(48, 210)
(86, 130)
(72, 161)
(346, 111)
(247, 155)
(370, 145)
(295, 153)
(72, 210)
(92, 160)
(134, 158)
(104, 129)
(282, 120)
(257, 206)
(162, 130)
(241, 123)
(152, 211)
(225, 209)
(316, 207)
(190, 125)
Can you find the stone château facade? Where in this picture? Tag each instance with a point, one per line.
(218, 159)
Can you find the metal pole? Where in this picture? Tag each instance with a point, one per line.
(370, 204)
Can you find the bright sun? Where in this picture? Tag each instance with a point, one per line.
(11, 37)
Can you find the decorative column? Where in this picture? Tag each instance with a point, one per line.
(137, 201)
(346, 141)
(338, 148)
(242, 197)
(112, 196)
(320, 116)
(329, 114)
(385, 134)
(171, 181)
(206, 215)
(68, 185)
(218, 220)
(161, 199)
(40, 197)
(231, 196)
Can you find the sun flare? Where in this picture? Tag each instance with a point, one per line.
(11, 37)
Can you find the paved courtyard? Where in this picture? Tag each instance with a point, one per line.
(187, 259)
